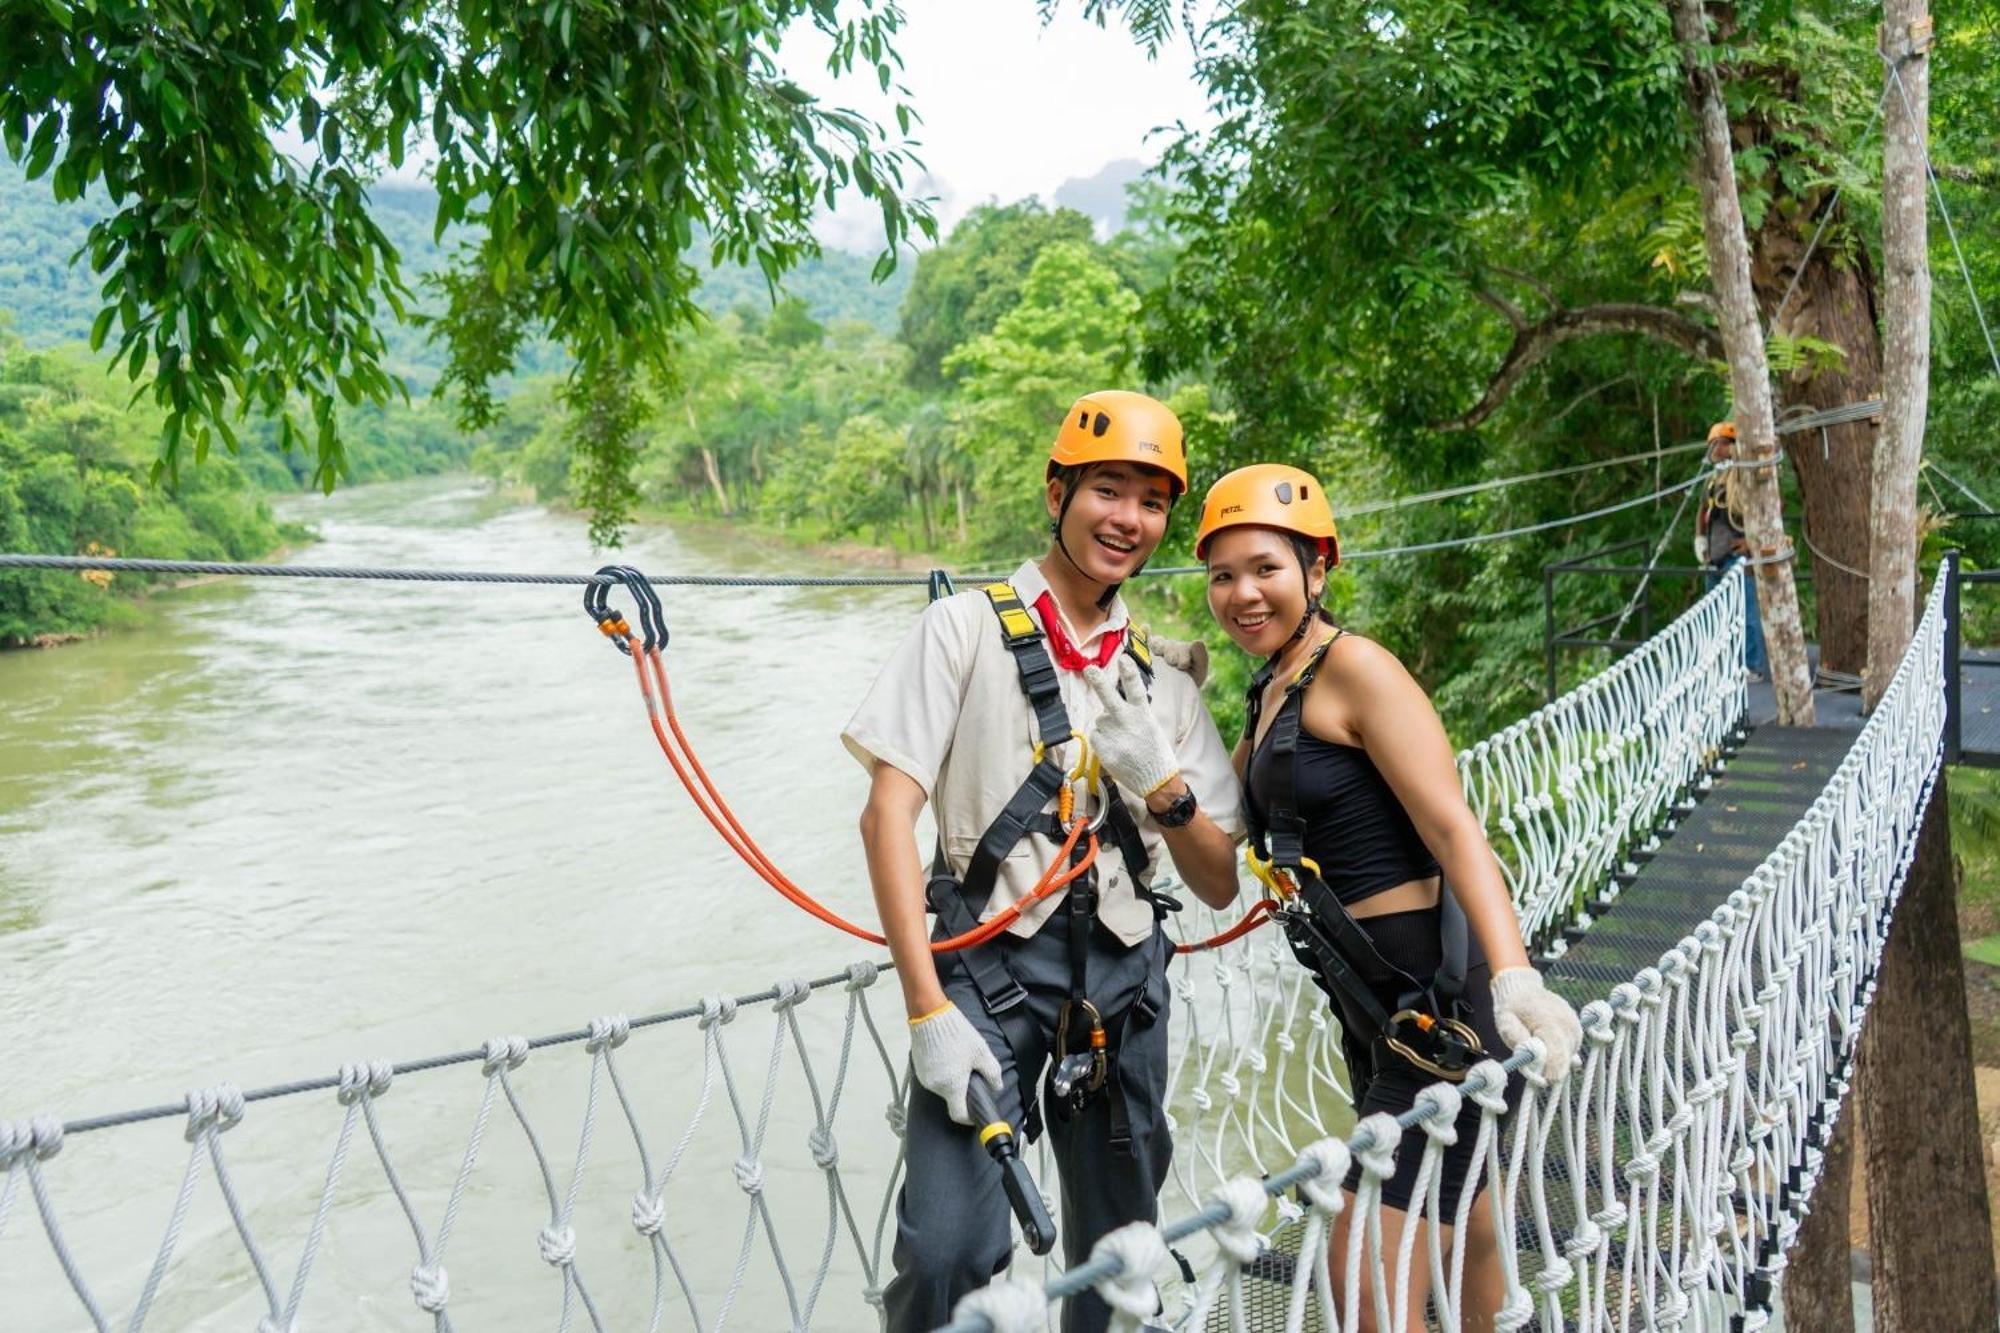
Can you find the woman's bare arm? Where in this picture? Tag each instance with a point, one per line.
(1364, 691)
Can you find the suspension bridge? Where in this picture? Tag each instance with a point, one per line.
(1714, 896)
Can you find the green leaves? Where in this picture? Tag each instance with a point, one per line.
(588, 144)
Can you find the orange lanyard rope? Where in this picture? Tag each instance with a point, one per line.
(702, 791)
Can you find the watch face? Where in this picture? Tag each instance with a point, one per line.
(1179, 813)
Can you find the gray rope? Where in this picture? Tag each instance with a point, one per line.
(1827, 216)
(1569, 521)
(1924, 147)
(1498, 483)
(1823, 558)
(89, 1123)
(131, 565)
(1832, 416)
(1969, 493)
(1659, 549)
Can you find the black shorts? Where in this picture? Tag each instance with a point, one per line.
(1385, 1081)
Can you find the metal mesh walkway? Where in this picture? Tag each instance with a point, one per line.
(1757, 798)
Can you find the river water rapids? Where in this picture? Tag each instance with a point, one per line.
(291, 824)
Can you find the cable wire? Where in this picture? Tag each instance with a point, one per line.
(1473, 488)
(1570, 521)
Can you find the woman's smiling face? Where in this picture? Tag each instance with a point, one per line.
(1256, 591)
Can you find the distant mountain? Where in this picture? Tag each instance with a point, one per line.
(51, 301)
(1101, 196)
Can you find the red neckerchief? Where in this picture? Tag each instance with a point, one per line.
(1068, 656)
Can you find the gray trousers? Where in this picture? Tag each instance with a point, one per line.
(953, 1225)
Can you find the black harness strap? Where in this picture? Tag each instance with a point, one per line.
(959, 902)
(1326, 937)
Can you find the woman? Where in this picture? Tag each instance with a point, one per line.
(1348, 773)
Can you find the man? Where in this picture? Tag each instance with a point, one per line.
(1720, 542)
(978, 713)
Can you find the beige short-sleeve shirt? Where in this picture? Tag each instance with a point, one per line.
(948, 710)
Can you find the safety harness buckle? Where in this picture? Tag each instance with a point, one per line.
(1443, 1047)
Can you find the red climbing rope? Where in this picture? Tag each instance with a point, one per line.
(701, 789)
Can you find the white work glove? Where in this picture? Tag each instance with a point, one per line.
(1127, 739)
(946, 1051)
(1523, 1007)
(1189, 655)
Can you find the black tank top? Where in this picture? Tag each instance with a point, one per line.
(1355, 828)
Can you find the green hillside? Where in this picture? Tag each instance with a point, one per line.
(53, 301)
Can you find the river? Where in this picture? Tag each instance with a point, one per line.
(290, 824)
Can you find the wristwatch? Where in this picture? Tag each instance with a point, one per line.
(1179, 813)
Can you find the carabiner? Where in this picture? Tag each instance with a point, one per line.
(646, 607)
(1278, 879)
(1080, 1073)
(1455, 1045)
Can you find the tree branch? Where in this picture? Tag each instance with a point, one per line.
(1533, 342)
(1508, 310)
(1547, 292)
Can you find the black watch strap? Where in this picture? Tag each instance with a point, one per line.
(1180, 813)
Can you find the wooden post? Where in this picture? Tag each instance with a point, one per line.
(1749, 373)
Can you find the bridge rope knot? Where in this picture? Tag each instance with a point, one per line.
(1243, 1201)
(557, 1245)
(824, 1148)
(1441, 1103)
(1486, 1085)
(431, 1286)
(608, 1033)
(504, 1054)
(39, 1137)
(792, 992)
(749, 1173)
(716, 1009)
(1378, 1154)
(1008, 1305)
(649, 1213)
(1329, 1158)
(861, 975)
(1136, 1251)
(363, 1079)
(219, 1108)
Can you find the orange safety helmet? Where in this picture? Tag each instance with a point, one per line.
(1119, 426)
(1269, 495)
(1722, 430)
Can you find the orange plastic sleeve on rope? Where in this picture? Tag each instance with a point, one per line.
(702, 791)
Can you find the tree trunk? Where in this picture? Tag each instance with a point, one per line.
(1834, 302)
(1928, 1223)
(715, 481)
(958, 491)
(1906, 331)
(1749, 374)
(1819, 1292)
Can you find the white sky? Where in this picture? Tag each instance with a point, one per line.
(1009, 108)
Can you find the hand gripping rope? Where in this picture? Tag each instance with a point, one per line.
(645, 648)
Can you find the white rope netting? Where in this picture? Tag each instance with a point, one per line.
(771, 1203)
(1657, 1186)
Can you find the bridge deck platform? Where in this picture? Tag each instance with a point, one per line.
(1756, 799)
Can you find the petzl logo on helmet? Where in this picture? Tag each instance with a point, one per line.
(1227, 510)
(1148, 446)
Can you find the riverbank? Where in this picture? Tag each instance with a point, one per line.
(128, 610)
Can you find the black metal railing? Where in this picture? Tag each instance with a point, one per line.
(1971, 678)
(1636, 615)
